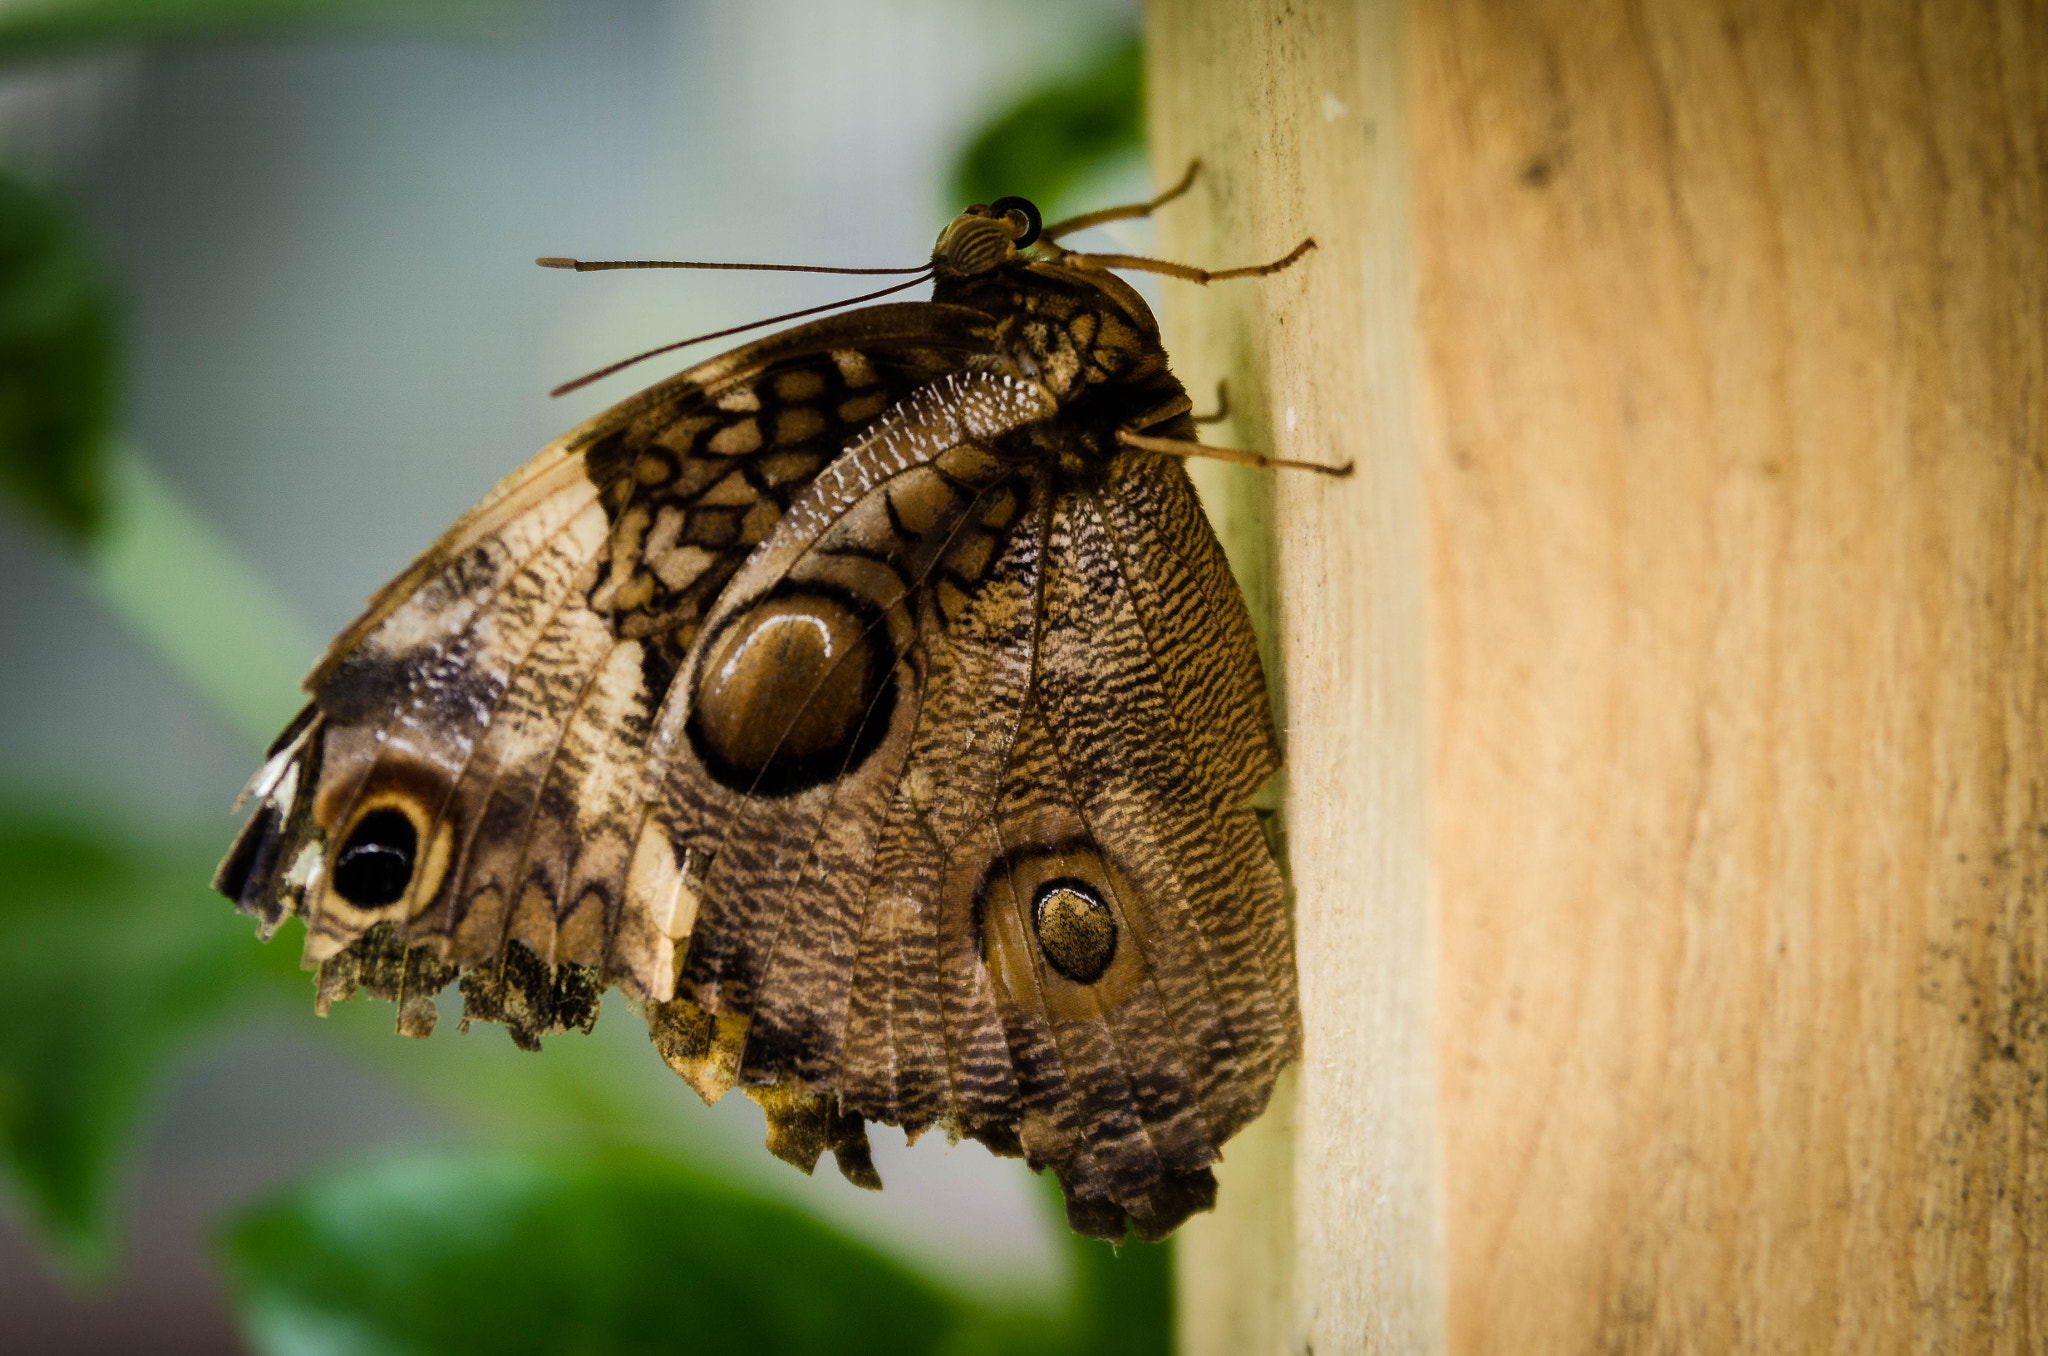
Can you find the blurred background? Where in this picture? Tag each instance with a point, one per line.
(268, 322)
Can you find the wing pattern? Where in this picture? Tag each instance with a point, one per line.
(900, 774)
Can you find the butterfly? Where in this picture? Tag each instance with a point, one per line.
(874, 706)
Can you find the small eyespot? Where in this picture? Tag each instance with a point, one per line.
(376, 863)
(1076, 930)
(1020, 207)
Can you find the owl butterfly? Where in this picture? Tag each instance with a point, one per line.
(874, 706)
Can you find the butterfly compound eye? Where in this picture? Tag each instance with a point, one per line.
(376, 862)
(1024, 209)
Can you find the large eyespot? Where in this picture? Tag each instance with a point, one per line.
(376, 862)
(793, 691)
(1025, 208)
(1075, 928)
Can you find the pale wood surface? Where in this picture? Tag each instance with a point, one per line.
(1297, 112)
(1671, 693)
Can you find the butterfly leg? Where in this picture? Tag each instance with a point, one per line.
(1180, 447)
(1126, 212)
(1222, 405)
(1188, 271)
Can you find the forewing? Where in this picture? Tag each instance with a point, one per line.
(468, 769)
(786, 739)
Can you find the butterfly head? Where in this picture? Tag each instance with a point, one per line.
(985, 237)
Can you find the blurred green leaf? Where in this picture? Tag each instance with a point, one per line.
(1120, 1298)
(598, 1251)
(57, 354)
(1058, 133)
(32, 29)
(113, 952)
(182, 587)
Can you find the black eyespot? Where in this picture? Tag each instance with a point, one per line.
(1075, 929)
(793, 691)
(1002, 207)
(375, 864)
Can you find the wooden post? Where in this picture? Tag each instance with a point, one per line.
(1667, 696)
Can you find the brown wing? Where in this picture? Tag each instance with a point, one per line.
(929, 808)
(1133, 923)
(464, 772)
(1136, 924)
(818, 674)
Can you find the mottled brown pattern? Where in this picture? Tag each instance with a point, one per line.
(783, 695)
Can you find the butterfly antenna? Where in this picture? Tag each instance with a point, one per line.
(601, 265)
(924, 275)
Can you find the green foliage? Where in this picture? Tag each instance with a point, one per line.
(1120, 1298)
(1048, 140)
(217, 623)
(112, 953)
(614, 1250)
(42, 28)
(57, 353)
(621, 1250)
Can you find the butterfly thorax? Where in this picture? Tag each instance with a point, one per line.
(1084, 335)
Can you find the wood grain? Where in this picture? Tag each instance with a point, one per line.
(1297, 112)
(1708, 453)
